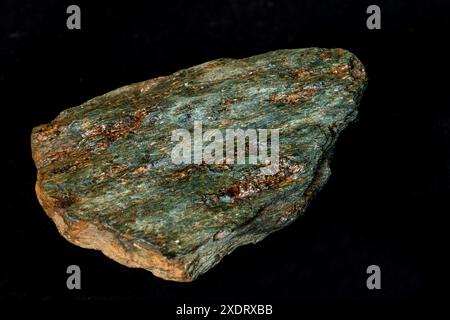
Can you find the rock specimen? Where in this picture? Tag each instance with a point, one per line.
(107, 180)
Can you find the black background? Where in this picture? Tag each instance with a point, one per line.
(390, 172)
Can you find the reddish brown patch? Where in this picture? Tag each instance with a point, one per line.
(326, 55)
(300, 74)
(184, 173)
(140, 170)
(295, 96)
(46, 131)
(102, 145)
(246, 188)
(233, 191)
(121, 128)
(231, 101)
(339, 69)
(64, 200)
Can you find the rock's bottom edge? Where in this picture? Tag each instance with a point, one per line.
(128, 252)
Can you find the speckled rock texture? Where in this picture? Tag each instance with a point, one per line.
(106, 179)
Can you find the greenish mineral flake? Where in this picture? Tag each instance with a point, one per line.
(106, 178)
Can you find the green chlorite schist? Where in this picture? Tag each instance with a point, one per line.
(108, 177)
